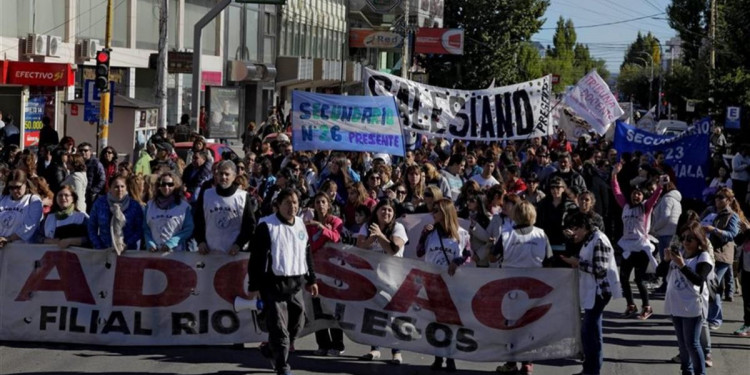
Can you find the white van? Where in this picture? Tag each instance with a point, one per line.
(671, 127)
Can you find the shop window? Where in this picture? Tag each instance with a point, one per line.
(194, 11)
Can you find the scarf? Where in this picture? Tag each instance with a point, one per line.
(164, 202)
(63, 214)
(117, 223)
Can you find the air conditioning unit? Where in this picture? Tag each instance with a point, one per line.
(54, 44)
(36, 45)
(87, 49)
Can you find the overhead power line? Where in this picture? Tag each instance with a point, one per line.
(608, 23)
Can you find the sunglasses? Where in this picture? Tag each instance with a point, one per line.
(429, 196)
(721, 197)
(14, 187)
(400, 191)
(166, 184)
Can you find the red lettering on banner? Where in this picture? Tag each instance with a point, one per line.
(488, 302)
(438, 297)
(329, 261)
(229, 281)
(72, 281)
(128, 288)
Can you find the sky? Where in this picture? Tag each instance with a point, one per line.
(608, 42)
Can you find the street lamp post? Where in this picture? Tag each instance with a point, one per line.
(651, 78)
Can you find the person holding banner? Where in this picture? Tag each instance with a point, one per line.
(526, 246)
(598, 283)
(280, 262)
(116, 219)
(322, 228)
(635, 242)
(444, 243)
(66, 226)
(385, 235)
(168, 221)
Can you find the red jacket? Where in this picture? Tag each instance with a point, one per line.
(332, 233)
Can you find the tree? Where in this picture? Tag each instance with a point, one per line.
(644, 48)
(689, 18)
(569, 59)
(495, 31)
(529, 63)
(633, 84)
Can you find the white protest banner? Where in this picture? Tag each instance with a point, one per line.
(348, 123)
(592, 99)
(414, 224)
(138, 298)
(519, 111)
(478, 314)
(141, 298)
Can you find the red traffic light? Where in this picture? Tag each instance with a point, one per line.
(102, 57)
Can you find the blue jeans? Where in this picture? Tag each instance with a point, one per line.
(591, 336)
(688, 331)
(715, 315)
(663, 245)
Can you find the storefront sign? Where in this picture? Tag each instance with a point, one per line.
(40, 74)
(439, 41)
(369, 38)
(210, 78)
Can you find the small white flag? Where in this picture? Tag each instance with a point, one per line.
(592, 99)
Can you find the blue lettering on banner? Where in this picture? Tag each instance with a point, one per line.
(686, 153)
(346, 123)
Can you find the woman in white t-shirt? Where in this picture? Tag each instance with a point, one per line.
(445, 244)
(687, 295)
(385, 235)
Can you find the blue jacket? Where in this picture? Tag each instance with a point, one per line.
(99, 219)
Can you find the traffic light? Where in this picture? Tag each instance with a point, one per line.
(102, 71)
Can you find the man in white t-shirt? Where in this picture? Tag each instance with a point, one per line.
(454, 174)
(486, 180)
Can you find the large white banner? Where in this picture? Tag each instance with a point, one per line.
(140, 298)
(519, 111)
(592, 99)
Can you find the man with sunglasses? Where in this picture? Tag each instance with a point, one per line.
(95, 174)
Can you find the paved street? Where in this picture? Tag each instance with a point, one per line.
(632, 347)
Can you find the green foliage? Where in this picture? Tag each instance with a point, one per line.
(495, 31)
(569, 59)
(642, 50)
(690, 19)
(529, 63)
(633, 83)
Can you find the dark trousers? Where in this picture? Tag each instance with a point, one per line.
(330, 338)
(284, 318)
(637, 261)
(591, 336)
(746, 295)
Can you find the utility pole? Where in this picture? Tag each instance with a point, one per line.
(712, 73)
(161, 65)
(106, 95)
(405, 53)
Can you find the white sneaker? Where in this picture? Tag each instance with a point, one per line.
(335, 353)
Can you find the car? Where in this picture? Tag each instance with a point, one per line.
(217, 149)
(671, 127)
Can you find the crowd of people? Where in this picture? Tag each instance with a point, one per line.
(535, 203)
